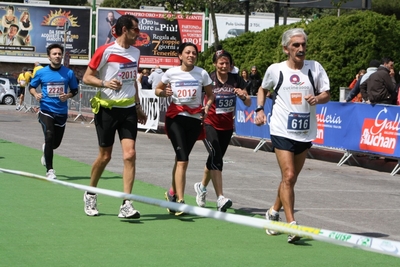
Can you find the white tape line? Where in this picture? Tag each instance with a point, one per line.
(377, 245)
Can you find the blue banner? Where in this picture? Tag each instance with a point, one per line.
(357, 127)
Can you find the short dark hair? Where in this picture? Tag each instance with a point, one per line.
(183, 45)
(386, 60)
(124, 20)
(52, 46)
(374, 63)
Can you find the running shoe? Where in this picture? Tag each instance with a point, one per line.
(293, 238)
(179, 213)
(51, 174)
(128, 211)
(170, 198)
(223, 204)
(271, 217)
(90, 204)
(42, 159)
(200, 195)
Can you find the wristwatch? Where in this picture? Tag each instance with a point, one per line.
(259, 107)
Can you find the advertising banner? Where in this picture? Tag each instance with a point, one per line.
(355, 127)
(26, 31)
(159, 37)
(233, 25)
(151, 108)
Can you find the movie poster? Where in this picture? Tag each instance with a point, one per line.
(159, 37)
(26, 31)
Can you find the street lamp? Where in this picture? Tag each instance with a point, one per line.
(246, 16)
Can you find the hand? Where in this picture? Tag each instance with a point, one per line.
(63, 97)
(240, 93)
(261, 119)
(311, 99)
(142, 117)
(38, 97)
(168, 91)
(115, 84)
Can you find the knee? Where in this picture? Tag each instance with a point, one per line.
(289, 179)
(130, 156)
(182, 165)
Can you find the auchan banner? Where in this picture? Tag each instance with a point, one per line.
(26, 31)
(159, 37)
(350, 126)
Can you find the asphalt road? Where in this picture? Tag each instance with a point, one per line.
(351, 199)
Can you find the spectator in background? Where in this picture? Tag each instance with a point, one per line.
(245, 77)
(355, 85)
(255, 81)
(22, 83)
(155, 77)
(381, 86)
(144, 79)
(36, 67)
(373, 66)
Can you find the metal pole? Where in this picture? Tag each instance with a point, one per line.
(93, 41)
(206, 27)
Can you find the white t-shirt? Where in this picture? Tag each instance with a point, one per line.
(187, 86)
(112, 59)
(292, 117)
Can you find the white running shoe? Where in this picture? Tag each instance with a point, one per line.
(128, 211)
(90, 204)
(200, 195)
(271, 217)
(51, 174)
(223, 204)
(293, 238)
(42, 159)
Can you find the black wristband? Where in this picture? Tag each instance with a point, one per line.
(259, 107)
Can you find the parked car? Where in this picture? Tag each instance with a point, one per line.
(10, 82)
(234, 33)
(7, 94)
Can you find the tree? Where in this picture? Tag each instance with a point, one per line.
(343, 45)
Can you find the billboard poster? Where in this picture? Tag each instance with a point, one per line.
(159, 37)
(26, 31)
(233, 25)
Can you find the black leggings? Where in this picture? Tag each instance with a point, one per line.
(183, 132)
(53, 126)
(216, 142)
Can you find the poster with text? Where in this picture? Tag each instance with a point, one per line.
(159, 37)
(27, 30)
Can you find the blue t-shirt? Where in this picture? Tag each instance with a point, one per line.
(54, 82)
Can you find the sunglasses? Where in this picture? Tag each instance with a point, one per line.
(298, 44)
(136, 29)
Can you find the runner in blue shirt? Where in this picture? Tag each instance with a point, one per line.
(54, 80)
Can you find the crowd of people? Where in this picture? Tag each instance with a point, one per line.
(376, 85)
(296, 86)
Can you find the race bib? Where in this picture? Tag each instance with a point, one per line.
(55, 89)
(225, 103)
(127, 72)
(186, 92)
(298, 122)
